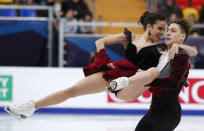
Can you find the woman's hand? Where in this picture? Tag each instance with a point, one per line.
(111, 66)
(172, 51)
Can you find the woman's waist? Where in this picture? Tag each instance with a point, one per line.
(138, 64)
(125, 63)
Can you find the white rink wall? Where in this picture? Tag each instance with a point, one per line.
(20, 84)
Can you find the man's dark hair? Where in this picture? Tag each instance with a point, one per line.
(185, 26)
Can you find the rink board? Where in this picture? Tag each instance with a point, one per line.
(18, 85)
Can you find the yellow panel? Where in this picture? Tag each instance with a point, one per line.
(120, 11)
(6, 1)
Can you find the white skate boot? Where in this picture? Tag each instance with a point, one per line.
(22, 111)
(163, 61)
(118, 84)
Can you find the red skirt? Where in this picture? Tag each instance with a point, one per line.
(123, 67)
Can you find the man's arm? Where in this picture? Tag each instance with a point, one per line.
(179, 69)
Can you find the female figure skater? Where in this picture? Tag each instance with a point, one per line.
(141, 52)
(165, 110)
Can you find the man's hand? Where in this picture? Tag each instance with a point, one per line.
(172, 51)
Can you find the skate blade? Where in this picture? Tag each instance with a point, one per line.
(12, 114)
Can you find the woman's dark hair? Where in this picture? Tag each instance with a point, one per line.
(150, 18)
(185, 26)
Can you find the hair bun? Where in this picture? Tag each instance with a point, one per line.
(145, 13)
(143, 16)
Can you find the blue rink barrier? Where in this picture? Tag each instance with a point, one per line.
(23, 43)
(102, 111)
(79, 49)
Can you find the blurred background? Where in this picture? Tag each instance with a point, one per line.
(45, 43)
(61, 33)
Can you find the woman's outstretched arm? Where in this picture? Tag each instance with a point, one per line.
(110, 40)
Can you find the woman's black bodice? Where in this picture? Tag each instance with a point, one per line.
(146, 58)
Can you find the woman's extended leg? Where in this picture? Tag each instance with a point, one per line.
(88, 85)
(137, 84)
